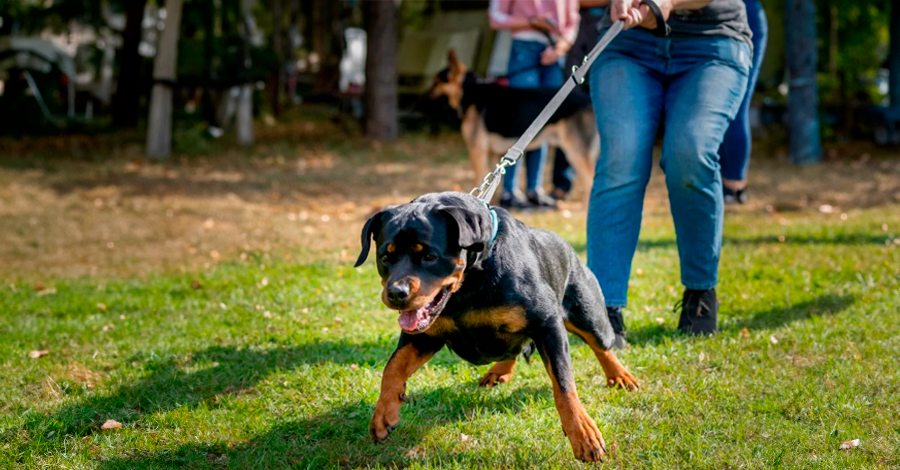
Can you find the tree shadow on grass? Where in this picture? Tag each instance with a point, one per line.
(201, 378)
(340, 438)
(824, 305)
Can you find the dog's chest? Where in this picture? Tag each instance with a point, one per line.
(483, 336)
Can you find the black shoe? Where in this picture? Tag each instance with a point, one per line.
(560, 194)
(514, 201)
(618, 326)
(541, 201)
(732, 196)
(699, 309)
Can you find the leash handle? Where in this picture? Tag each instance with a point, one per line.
(485, 191)
(662, 28)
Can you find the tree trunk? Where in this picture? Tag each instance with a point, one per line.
(128, 92)
(803, 98)
(894, 60)
(326, 40)
(245, 100)
(381, 71)
(159, 128)
(278, 47)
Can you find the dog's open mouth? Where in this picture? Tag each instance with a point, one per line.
(419, 320)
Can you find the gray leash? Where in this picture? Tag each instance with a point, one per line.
(485, 191)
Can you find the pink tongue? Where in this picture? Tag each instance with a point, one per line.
(408, 320)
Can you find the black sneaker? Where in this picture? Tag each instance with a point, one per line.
(541, 201)
(514, 201)
(699, 309)
(732, 196)
(560, 194)
(618, 326)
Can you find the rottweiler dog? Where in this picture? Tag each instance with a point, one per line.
(473, 278)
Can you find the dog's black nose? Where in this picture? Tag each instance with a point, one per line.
(397, 293)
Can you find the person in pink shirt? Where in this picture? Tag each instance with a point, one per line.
(542, 33)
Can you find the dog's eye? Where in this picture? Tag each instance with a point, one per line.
(429, 258)
(385, 259)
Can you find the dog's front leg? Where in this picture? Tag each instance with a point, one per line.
(553, 346)
(412, 352)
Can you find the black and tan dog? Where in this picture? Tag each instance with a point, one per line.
(488, 287)
(494, 116)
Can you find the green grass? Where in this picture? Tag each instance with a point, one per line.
(270, 364)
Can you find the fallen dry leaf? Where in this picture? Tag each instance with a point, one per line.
(102, 307)
(38, 286)
(464, 437)
(847, 445)
(660, 320)
(354, 367)
(44, 292)
(111, 424)
(195, 284)
(773, 339)
(744, 333)
(37, 354)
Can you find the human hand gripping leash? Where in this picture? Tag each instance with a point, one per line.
(485, 191)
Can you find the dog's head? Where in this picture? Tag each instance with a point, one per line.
(449, 81)
(422, 251)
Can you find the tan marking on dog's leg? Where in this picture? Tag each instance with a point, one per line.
(403, 363)
(579, 156)
(477, 142)
(584, 436)
(616, 374)
(500, 373)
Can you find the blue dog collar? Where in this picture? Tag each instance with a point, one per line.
(495, 226)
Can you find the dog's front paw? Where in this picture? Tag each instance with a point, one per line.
(623, 379)
(385, 420)
(587, 442)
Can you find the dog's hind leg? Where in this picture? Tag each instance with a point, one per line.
(579, 142)
(500, 373)
(477, 142)
(587, 319)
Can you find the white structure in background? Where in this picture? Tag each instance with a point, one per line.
(40, 55)
(353, 64)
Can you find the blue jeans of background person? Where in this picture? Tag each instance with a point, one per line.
(526, 56)
(697, 84)
(735, 149)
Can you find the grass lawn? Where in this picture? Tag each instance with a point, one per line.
(269, 354)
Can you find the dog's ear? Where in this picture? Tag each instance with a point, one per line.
(473, 229)
(452, 58)
(457, 69)
(372, 225)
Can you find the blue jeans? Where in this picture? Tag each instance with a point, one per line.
(735, 149)
(526, 56)
(698, 85)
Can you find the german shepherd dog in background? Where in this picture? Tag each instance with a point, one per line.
(494, 116)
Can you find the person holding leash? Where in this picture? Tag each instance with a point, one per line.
(735, 149)
(542, 32)
(691, 83)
